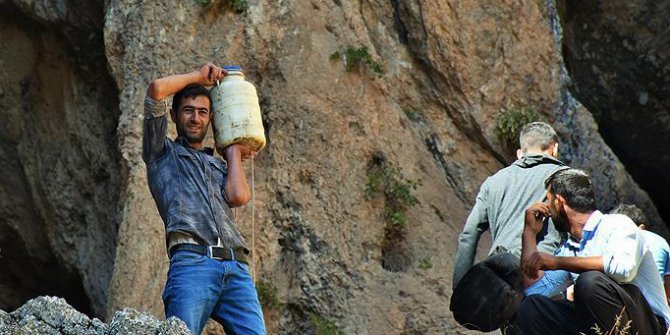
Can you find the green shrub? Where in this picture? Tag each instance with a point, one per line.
(240, 6)
(323, 326)
(425, 263)
(353, 58)
(267, 294)
(511, 120)
(203, 3)
(412, 115)
(388, 180)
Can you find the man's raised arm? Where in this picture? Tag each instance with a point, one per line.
(155, 108)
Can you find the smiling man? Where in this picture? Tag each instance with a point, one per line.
(194, 192)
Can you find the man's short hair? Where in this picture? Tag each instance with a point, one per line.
(575, 186)
(537, 135)
(633, 212)
(191, 91)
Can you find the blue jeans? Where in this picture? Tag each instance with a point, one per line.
(199, 287)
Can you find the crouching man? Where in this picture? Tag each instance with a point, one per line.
(614, 274)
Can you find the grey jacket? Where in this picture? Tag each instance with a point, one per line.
(500, 207)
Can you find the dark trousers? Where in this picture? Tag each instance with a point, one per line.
(598, 301)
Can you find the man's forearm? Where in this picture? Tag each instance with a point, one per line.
(236, 188)
(528, 247)
(528, 244)
(207, 75)
(162, 88)
(580, 264)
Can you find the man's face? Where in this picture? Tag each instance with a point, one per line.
(193, 118)
(558, 215)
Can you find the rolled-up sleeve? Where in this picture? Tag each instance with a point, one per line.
(622, 259)
(552, 283)
(154, 130)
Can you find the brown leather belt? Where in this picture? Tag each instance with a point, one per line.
(214, 252)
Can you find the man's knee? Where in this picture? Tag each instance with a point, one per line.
(591, 284)
(531, 307)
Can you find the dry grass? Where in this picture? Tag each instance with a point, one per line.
(618, 328)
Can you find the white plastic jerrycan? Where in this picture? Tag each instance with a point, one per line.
(237, 114)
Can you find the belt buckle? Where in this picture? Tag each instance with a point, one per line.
(210, 252)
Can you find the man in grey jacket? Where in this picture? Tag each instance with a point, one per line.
(504, 197)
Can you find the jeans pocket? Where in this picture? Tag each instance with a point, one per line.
(186, 258)
(243, 266)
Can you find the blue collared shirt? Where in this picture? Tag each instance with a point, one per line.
(626, 259)
(186, 184)
(660, 250)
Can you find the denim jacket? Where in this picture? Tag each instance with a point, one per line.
(186, 184)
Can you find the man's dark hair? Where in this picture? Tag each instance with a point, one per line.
(575, 186)
(191, 91)
(633, 212)
(537, 135)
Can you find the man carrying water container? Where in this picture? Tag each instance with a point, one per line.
(194, 191)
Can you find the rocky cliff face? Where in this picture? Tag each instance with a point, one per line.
(618, 53)
(60, 181)
(425, 98)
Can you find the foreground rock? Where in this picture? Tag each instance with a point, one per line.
(53, 316)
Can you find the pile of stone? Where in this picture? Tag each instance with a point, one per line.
(53, 316)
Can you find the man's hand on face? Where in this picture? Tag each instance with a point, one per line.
(535, 216)
(211, 73)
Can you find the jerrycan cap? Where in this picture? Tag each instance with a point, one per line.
(233, 68)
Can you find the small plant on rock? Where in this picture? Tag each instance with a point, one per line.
(511, 120)
(203, 3)
(425, 263)
(267, 294)
(240, 6)
(387, 180)
(354, 58)
(324, 326)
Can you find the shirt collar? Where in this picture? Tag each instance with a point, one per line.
(186, 144)
(588, 231)
(593, 221)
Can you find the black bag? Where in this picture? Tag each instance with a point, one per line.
(489, 294)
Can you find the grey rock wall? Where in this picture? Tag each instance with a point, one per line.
(59, 189)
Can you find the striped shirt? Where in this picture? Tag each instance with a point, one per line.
(626, 259)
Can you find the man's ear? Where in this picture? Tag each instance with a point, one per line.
(519, 153)
(560, 201)
(554, 150)
(173, 115)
